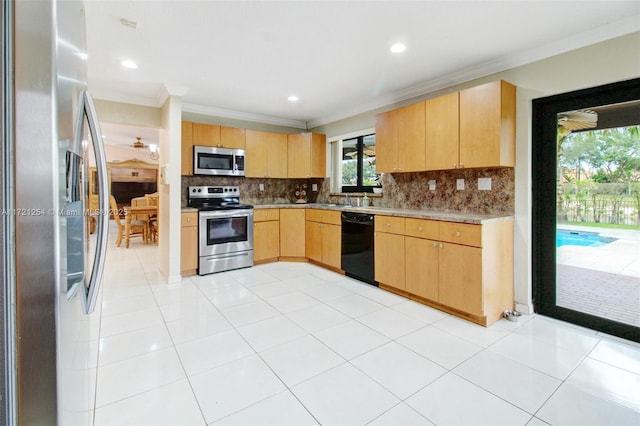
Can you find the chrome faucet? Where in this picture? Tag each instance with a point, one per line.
(348, 200)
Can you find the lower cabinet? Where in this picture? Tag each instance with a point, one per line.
(389, 252)
(461, 268)
(323, 237)
(292, 233)
(189, 243)
(266, 235)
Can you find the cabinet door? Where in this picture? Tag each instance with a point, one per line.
(292, 232)
(460, 285)
(189, 248)
(487, 125)
(276, 153)
(256, 150)
(231, 137)
(410, 138)
(318, 165)
(266, 240)
(441, 132)
(390, 259)
(422, 258)
(187, 149)
(331, 245)
(206, 134)
(298, 156)
(313, 243)
(386, 142)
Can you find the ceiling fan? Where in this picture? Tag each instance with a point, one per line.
(138, 144)
(577, 120)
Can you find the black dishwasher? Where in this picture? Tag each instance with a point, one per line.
(357, 246)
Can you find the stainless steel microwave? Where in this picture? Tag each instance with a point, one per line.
(209, 160)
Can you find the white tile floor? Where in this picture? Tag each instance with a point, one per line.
(294, 344)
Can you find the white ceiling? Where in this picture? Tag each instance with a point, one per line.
(242, 59)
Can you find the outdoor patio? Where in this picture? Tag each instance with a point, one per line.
(603, 281)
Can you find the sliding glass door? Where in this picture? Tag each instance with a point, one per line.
(586, 216)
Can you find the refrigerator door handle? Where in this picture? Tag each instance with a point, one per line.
(95, 275)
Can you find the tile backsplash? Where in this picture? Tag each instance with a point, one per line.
(276, 191)
(400, 190)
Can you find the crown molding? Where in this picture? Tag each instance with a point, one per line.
(612, 30)
(238, 115)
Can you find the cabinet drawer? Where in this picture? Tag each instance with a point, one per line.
(263, 215)
(461, 233)
(422, 228)
(189, 219)
(389, 224)
(324, 216)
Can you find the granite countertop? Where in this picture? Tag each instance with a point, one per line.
(471, 218)
(185, 209)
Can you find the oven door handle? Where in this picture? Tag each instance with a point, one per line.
(227, 256)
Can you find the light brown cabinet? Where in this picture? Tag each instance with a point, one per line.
(232, 137)
(472, 128)
(487, 125)
(206, 134)
(389, 253)
(188, 243)
(292, 233)
(442, 132)
(266, 154)
(461, 268)
(323, 237)
(187, 149)
(218, 136)
(306, 155)
(400, 139)
(266, 235)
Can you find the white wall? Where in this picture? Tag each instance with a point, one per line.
(614, 60)
(169, 189)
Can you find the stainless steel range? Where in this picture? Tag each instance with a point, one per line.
(225, 228)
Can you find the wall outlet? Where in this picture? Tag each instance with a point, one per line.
(484, 184)
(261, 186)
(432, 185)
(459, 184)
(314, 187)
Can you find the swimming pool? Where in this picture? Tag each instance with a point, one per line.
(566, 237)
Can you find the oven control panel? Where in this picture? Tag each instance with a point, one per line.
(213, 191)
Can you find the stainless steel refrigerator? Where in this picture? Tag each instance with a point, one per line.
(51, 259)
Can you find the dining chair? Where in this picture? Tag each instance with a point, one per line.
(138, 228)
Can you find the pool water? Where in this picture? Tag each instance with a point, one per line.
(580, 238)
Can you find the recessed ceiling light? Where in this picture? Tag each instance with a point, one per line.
(129, 64)
(398, 48)
(293, 98)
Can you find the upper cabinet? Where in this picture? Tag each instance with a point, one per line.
(441, 128)
(487, 125)
(187, 148)
(400, 139)
(306, 154)
(472, 128)
(218, 136)
(266, 154)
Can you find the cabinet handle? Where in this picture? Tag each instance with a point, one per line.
(461, 165)
(434, 244)
(458, 233)
(387, 225)
(454, 165)
(188, 219)
(419, 228)
(441, 245)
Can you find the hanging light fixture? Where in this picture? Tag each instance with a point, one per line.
(155, 151)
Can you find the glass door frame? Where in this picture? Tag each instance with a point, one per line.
(544, 170)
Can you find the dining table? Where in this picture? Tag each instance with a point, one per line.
(130, 211)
